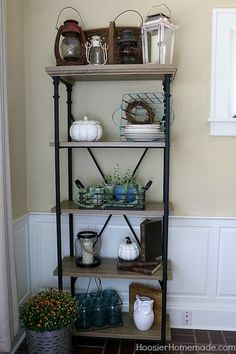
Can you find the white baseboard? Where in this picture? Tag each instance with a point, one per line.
(202, 251)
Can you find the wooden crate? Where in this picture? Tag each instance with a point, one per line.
(145, 290)
(110, 35)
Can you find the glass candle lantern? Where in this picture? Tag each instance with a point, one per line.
(87, 246)
(96, 53)
(158, 35)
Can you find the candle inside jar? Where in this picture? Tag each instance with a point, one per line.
(87, 252)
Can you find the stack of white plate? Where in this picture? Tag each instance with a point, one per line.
(143, 132)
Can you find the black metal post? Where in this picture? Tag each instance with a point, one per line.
(70, 167)
(56, 97)
(69, 121)
(70, 178)
(166, 87)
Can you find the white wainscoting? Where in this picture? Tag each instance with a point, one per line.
(202, 252)
(22, 257)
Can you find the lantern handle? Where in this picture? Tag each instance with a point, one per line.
(69, 7)
(129, 10)
(165, 7)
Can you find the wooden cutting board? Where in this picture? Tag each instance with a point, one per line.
(145, 290)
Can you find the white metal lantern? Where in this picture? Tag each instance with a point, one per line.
(158, 35)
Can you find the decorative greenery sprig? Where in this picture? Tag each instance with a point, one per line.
(49, 310)
(126, 178)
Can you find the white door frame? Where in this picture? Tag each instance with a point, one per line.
(3, 67)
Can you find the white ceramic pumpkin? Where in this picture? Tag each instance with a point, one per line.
(86, 130)
(128, 250)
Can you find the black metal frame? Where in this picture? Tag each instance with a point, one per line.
(167, 95)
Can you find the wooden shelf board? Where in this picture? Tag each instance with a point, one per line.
(111, 144)
(107, 269)
(152, 209)
(127, 331)
(73, 73)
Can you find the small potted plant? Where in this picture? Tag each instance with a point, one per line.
(126, 186)
(48, 317)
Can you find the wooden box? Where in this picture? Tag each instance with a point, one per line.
(110, 34)
(145, 290)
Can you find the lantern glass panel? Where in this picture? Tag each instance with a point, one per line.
(71, 48)
(160, 45)
(167, 46)
(153, 46)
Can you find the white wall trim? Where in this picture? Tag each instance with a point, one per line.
(199, 248)
(203, 286)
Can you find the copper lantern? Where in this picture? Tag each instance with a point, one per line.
(158, 35)
(68, 51)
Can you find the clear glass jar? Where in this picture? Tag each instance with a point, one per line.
(96, 53)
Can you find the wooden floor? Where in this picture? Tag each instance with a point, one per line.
(183, 342)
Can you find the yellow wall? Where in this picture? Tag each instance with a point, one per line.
(203, 168)
(16, 106)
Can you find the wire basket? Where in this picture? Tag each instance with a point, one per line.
(148, 108)
(111, 197)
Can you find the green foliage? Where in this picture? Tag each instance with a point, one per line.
(49, 310)
(124, 179)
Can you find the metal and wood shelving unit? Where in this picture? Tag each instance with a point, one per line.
(69, 75)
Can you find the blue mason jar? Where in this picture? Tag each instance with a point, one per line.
(85, 319)
(99, 312)
(124, 193)
(114, 311)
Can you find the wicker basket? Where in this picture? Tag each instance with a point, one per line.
(49, 342)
